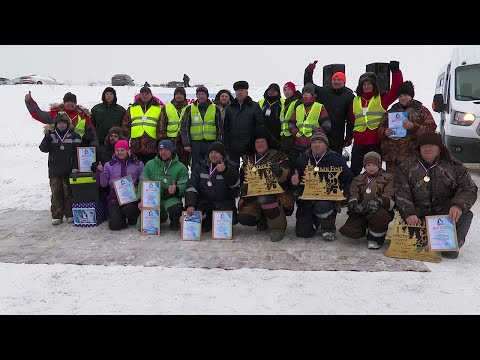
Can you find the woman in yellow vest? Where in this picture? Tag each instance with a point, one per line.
(141, 121)
(308, 118)
(171, 119)
(201, 126)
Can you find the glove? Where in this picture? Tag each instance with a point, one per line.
(347, 142)
(93, 168)
(355, 207)
(394, 66)
(276, 168)
(311, 67)
(373, 206)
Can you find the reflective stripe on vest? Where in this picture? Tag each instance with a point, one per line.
(144, 122)
(173, 125)
(203, 129)
(284, 117)
(80, 127)
(306, 126)
(373, 116)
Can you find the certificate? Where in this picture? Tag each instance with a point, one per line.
(151, 194)
(395, 122)
(441, 233)
(191, 226)
(125, 190)
(85, 157)
(150, 222)
(222, 225)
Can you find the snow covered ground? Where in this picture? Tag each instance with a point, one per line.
(452, 286)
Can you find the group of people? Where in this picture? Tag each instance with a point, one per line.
(151, 141)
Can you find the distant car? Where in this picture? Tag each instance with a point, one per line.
(35, 79)
(5, 81)
(122, 80)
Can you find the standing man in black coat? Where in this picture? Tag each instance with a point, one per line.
(338, 100)
(242, 116)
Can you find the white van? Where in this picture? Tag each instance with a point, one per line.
(457, 100)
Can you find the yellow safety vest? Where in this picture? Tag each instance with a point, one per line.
(372, 117)
(203, 129)
(80, 127)
(144, 122)
(284, 117)
(173, 125)
(306, 126)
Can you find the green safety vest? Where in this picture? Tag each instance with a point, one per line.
(144, 122)
(372, 117)
(173, 125)
(203, 129)
(284, 117)
(306, 126)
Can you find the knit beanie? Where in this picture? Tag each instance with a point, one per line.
(70, 97)
(291, 85)
(372, 157)
(319, 136)
(340, 75)
(310, 88)
(180, 90)
(407, 89)
(202, 89)
(167, 145)
(123, 144)
(218, 147)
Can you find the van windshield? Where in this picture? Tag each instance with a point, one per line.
(467, 80)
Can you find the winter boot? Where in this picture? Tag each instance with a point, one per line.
(328, 229)
(132, 221)
(262, 224)
(175, 224)
(163, 217)
(57, 221)
(328, 236)
(70, 220)
(449, 254)
(375, 243)
(277, 235)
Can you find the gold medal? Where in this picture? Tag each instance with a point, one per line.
(368, 191)
(254, 169)
(426, 178)
(316, 168)
(209, 183)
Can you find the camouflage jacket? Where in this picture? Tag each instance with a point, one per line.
(402, 148)
(450, 184)
(381, 185)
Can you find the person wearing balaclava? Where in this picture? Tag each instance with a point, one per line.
(272, 105)
(79, 116)
(61, 142)
(396, 149)
(107, 114)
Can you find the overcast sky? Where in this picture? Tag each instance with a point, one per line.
(215, 64)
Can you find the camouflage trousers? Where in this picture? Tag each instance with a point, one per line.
(255, 209)
(61, 199)
(377, 224)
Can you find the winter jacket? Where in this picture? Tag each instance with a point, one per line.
(371, 137)
(159, 170)
(240, 124)
(187, 123)
(60, 162)
(381, 185)
(272, 121)
(330, 158)
(105, 116)
(450, 184)
(144, 144)
(116, 169)
(338, 103)
(224, 187)
(48, 117)
(400, 149)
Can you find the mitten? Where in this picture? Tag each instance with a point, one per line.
(394, 66)
(276, 168)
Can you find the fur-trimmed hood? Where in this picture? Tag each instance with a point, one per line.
(60, 107)
(50, 127)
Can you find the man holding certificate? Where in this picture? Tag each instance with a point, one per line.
(401, 125)
(121, 165)
(432, 182)
(213, 185)
(173, 175)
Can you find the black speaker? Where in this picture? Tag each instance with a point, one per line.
(329, 70)
(382, 70)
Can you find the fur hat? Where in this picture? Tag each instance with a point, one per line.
(319, 136)
(372, 157)
(429, 138)
(180, 90)
(115, 130)
(372, 78)
(223, 91)
(310, 88)
(121, 144)
(70, 97)
(240, 85)
(167, 145)
(218, 147)
(202, 89)
(407, 89)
